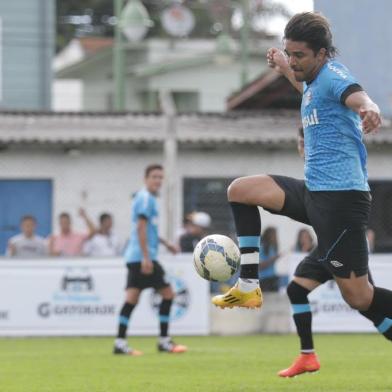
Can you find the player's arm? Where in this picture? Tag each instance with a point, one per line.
(170, 247)
(11, 249)
(277, 60)
(89, 223)
(369, 112)
(147, 265)
(52, 251)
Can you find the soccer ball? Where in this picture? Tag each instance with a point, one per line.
(216, 258)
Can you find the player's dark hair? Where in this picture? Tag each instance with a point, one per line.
(312, 28)
(103, 217)
(152, 167)
(301, 132)
(28, 217)
(65, 215)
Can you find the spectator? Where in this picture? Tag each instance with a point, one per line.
(269, 280)
(300, 142)
(104, 243)
(305, 243)
(69, 243)
(27, 244)
(196, 229)
(371, 239)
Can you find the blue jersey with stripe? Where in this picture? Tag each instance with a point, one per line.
(335, 155)
(144, 205)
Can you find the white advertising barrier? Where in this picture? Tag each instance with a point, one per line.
(330, 312)
(84, 297)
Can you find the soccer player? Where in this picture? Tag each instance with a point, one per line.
(143, 268)
(334, 198)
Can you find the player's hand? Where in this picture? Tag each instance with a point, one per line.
(371, 119)
(277, 60)
(172, 248)
(147, 267)
(82, 212)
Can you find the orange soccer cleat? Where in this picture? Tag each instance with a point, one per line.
(171, 347)
(305, 363)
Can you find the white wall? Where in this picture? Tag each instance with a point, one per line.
(214, 83)
(67, 95)
(105, 180)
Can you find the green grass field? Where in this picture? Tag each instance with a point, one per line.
(221, 364)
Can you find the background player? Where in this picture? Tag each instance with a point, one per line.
(143, 268)
(334, 198)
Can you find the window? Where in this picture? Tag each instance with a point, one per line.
(149, 101)
(210, 195)
(186, 101)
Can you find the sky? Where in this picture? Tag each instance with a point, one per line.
(295, 6)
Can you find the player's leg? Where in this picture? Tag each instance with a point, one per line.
(245, 194)
(347, 259)
(373, 302)
(298, 291)
(309, 274)
(158, 281)
(120, 345)
(135, 284)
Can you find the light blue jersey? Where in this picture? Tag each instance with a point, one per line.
(144, 205)
(269, 272)
(335, 156)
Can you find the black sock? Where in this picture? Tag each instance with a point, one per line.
(164, 311)
(382, 302)
(302, 314)
(380, 311)
(125, 313)
(248, 227)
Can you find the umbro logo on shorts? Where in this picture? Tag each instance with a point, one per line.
(336, 263)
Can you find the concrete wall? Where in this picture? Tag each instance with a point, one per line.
(104, 180)
(26, 47)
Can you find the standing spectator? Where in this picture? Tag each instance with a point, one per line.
(196, 229)
(27, 244)
(104, 243)
(268, 255)
(68, 242)
(301, 142)
(305, 243)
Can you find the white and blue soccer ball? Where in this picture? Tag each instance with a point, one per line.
(216, 258)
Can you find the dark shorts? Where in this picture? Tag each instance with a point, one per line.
(311, 268)
(339, 219)
(141, 281)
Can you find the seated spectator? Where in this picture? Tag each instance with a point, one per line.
(196, 229)
(305, 242)
(27, 244)
(69, 243)
(104, 243)
(269, 280)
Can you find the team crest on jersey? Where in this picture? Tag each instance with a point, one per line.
(308, 97)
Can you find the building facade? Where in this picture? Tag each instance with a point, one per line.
(200, 74)
(61, 162)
